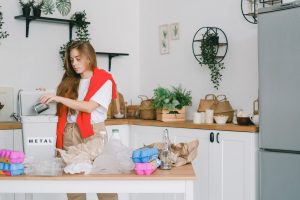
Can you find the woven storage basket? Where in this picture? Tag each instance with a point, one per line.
(146, 108)
(223, 107)
(133, 111)
(206, 103)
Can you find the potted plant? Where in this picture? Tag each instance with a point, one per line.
(26, 5)
(37, 7)
(170, 104)
(3, 34)
(209, 49)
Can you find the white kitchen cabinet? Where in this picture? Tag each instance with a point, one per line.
(226, 166)
(235, 166)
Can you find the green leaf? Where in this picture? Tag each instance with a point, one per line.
(48, 7)
(63, 7)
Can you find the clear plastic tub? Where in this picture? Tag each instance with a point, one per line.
(47, 167)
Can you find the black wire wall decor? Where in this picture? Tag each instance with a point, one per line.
(221, 44)
(250, 8)
(210, 47)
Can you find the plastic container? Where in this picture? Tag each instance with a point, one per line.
(11, 167)
(12, 173)
(146, 168)
(144, 155)
(10, 156)
(47, 167)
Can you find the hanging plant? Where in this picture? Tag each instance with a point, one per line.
(82, 32)
(209, 50)
(3, 34)
(49, 7)
(63, 7)
(81, 24)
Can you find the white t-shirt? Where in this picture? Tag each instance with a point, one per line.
(102, 97)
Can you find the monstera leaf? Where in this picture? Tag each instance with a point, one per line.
(63, 6)
(48, 7)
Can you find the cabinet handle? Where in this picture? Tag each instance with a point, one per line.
(218, 137)
(211, 137)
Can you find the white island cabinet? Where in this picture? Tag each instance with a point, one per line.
(226, 165)
(7, 142)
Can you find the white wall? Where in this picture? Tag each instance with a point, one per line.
(240, 78)
(34, 61)
(132, 26)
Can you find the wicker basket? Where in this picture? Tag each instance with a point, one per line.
(146, 108)
(133, 111)
(165, 115)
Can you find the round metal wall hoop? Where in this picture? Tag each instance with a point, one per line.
(221, 45)
(249, 16)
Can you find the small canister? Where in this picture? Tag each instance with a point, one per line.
(40, 107)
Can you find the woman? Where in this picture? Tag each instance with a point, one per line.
(82, 97)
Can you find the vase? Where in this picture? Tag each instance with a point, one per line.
(37, 12)
(26, 11)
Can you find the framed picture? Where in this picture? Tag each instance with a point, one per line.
(164, 39)
(174, 31)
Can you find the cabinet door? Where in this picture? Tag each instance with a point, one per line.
(203, 162)
(236, 166)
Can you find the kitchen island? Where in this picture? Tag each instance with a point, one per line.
(177, 180)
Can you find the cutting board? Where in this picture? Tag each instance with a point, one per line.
(6, 99)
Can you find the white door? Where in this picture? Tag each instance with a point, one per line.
(235, 161)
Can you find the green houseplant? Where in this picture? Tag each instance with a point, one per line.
(209, 50)
(170, 104)
(26, 6)
(82, 32)
(37, 7)
(3, 34)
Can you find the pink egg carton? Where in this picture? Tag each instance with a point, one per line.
(10, 156)
(146, 168)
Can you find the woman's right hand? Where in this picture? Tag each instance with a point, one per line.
(47, 98)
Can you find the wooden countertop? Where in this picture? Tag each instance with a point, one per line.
(185, 172)
(140, 122)
(185, 124)
(10, 125)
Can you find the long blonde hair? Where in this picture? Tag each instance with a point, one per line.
(69, 84)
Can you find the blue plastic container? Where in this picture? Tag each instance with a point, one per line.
(144, 155)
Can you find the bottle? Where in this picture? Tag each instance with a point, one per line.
(115, 134)
(166, 151)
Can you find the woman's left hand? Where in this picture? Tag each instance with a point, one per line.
(47, 98)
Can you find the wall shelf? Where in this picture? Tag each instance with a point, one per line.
(28, 19)
(110, 56)
(198, 39)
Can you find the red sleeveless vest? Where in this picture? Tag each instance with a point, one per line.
(98, 79)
